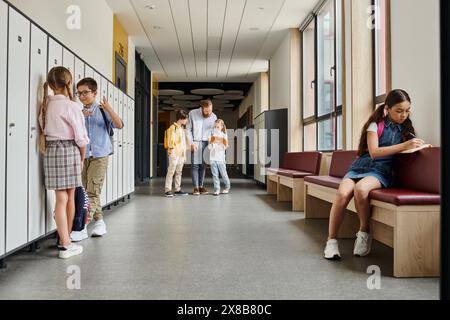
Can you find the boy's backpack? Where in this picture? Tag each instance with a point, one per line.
(109, 128)
(81, 209)
(166, 138)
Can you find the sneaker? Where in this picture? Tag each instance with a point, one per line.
(203, 191)
(181, 193)
(332, 250)
(363, 244)
(226, 191)
(78, 236)
(99, 229)
(70, 251)
(216, 193)
(169, 194)
(196, 192)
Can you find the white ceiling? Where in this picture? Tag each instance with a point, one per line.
(209, 40)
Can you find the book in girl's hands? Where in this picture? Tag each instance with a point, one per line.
(418, 148)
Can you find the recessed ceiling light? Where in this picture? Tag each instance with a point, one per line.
(261, 8)
(157, 27)
(151, 6)
(254, 29)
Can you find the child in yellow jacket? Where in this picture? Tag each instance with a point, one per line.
(176, 149)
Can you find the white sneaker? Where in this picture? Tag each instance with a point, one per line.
(78, 236)
(99, 229)
(226, 191)
(216, 193)
(332, 250)
(70, 251)
(363, 244)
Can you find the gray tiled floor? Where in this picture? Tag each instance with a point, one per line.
(241, 246)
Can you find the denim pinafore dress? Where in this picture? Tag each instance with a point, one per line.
(380, 168)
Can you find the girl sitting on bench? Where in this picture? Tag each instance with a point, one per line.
(388, 131)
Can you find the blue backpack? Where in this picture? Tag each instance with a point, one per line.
(81, 209)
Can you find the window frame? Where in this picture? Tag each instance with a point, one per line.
(337, 109)
(381, 98)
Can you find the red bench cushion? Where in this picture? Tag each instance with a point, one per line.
(326, 181)
(341, 162)
(419, 171)
(302, 161)
(293, 173)
(272, 171)
(402, 197)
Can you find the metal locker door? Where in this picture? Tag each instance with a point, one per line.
(120, 149)
(68, 61)
(109, 94)
(17, 134)
(100, 92)
(55, 53)
(125, 145)
(55, 56)
(36, 188)
(116, 149)
(88, 72)
(129, 147)
(133, 144)
(3, 67)
(79, 75)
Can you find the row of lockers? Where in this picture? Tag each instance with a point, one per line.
(26, 54)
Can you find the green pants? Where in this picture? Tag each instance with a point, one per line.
(93, 176)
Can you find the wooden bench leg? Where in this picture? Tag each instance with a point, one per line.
(416, 244)
(284, 194)
(298, 203)
(272, 187)
(316, 208)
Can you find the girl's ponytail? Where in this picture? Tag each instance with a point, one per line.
(69, 92)
(43, 115)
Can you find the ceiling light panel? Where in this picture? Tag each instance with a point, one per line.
(188, 97)
(170, 92)
(207, 91)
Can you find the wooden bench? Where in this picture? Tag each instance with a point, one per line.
(405, 217)
(287, 182)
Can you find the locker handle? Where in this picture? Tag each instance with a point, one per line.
(33, 128)
(12, 125)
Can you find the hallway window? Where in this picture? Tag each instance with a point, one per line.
(381, 56)
(309, 71)
(322, 79)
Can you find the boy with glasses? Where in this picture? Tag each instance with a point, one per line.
(99, 118)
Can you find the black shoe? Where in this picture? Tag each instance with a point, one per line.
(181, 193)
(169, 194)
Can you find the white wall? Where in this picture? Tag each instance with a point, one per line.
(93, 42)
(280, 71)
(415, 45)
(285, 85)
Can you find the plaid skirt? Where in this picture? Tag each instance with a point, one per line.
(62, 165)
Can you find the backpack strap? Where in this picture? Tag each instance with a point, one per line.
(380, 128)
(108, 127)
